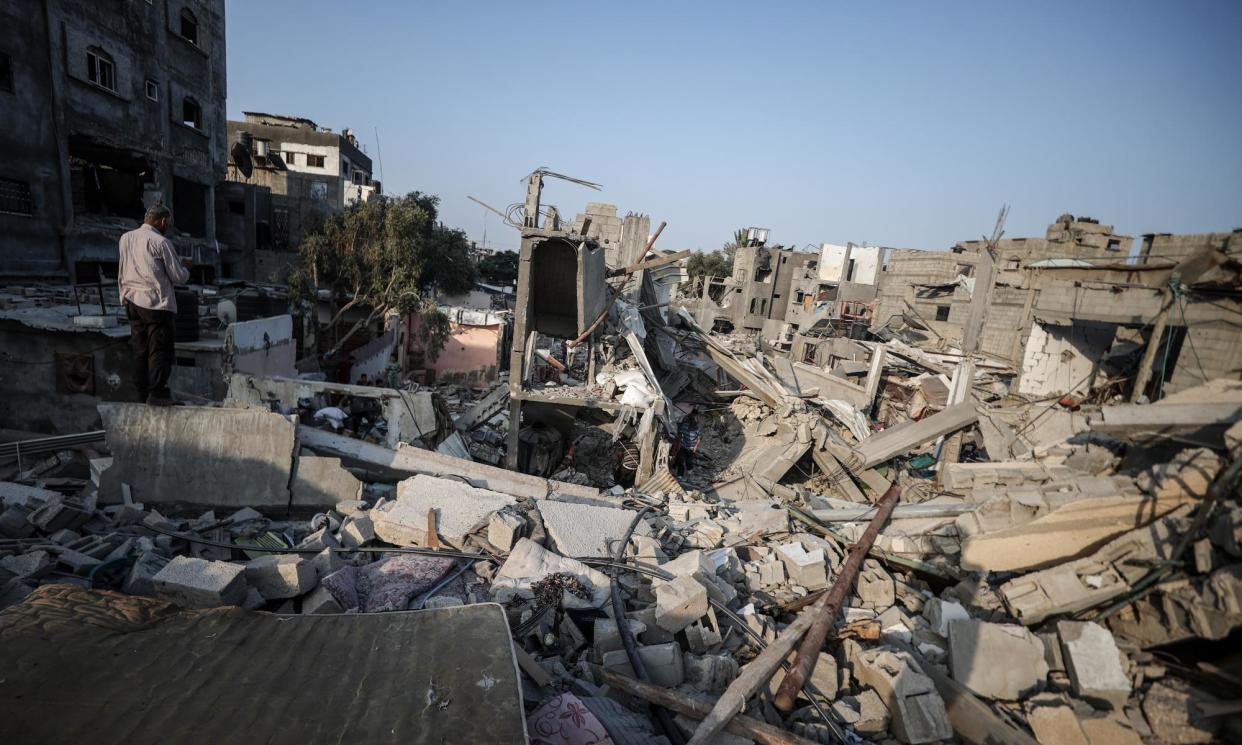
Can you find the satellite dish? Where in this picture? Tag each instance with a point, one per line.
(241, 159)
(226, 311)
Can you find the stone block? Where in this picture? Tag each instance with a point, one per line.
(277, 577)
(663, 662)
(699, 565)
(460, 510)
(585, 530)
(322, 482)
(320, 539)
(325, 562)
(875, 587)
(679, 603)
(940, 613)
(30, 565)
(805, 568)
(918, 713)
(198, 583)
(1093, 663)
(504, 528)
(997, 661)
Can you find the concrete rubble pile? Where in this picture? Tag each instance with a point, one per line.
(1048, 572)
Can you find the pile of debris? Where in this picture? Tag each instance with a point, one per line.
(1025, 598)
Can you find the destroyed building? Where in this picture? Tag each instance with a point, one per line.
(759, 290)
(106, 110)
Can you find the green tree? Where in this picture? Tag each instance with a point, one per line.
(500, 268)
(379, 256)
(730, 247)
(709, 264)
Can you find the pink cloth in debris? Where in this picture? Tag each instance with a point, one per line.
(388, 584)
(565, 720)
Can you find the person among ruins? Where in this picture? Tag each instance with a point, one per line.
(689, 438)
(148, 268)
(393, 371)
(363, 380)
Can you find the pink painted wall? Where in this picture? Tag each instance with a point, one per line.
(469, 357)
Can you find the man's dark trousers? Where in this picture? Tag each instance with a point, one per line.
(152, 334)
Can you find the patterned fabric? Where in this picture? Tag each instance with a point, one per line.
(565, 720)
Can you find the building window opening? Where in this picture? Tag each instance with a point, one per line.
(190, 207)
(15, 198)
(237, 208)
(6, 72)
(942, 312)
(153, 90)
(107, 181)
(280, 229)
(191, 113)
(315, 161)
(100, 69)
(1114, 244)
(189, 27)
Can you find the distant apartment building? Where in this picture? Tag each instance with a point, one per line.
(106, 109)
(285, 174)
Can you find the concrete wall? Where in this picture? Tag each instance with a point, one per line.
(36, 395)
(262, 347)
(1063, 359)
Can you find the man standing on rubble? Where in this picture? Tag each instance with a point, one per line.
(687, 444)
(148, 269)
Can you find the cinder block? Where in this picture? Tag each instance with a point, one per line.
(198, 583)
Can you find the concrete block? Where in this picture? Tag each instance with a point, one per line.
(608, 635)
(30, 565)
(653, 633)
(15, 522)
(918, 713)
(504, 528)
(141, 577)
(357, 530)
(1094, 663)
(460, 509)
(321, 602)
(663, 662)
(702, 638)
(698, 565)
(277, 577)
(875, 587)
(529, 562)
(940, 613)
(198, 583)
(805, 568)
(976, 652)
(826, 677)
(586, 530)
(320, 539)
(710, 673)
(322, 482)
(95, 322)
(679, 603)
(325, 562)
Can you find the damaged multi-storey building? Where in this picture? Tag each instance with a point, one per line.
(106, 109)
(285, 175)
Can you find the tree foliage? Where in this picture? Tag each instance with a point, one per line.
(709, 264)
(380, 256)
(500, 268)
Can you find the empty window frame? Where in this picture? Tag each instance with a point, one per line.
(100, 69)
(189, 26)
(288, 157)
(1114, 244)
(15, 198)
(191, 113)
(942, 312)
(6, 72)
(153, 90)
(315, 161)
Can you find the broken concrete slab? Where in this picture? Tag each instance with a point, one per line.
(197, 455)
(940, 613)
(918, 713)
(586, 530)
(504, 528)
(712, 673)
(322, 482)
(321, 601)
(1069, 532)
(198, 583)
(903, 438)
(460, 510)
(529, 562)
(1094, 663)
(805, 568)
(357, 530)
(996, 661)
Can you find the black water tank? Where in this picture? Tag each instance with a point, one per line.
(187, 315)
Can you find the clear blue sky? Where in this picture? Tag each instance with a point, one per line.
(902, 124)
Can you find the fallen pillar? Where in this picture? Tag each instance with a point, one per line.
(408, 461)
(895, 441)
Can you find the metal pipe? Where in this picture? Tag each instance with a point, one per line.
(830, 606)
